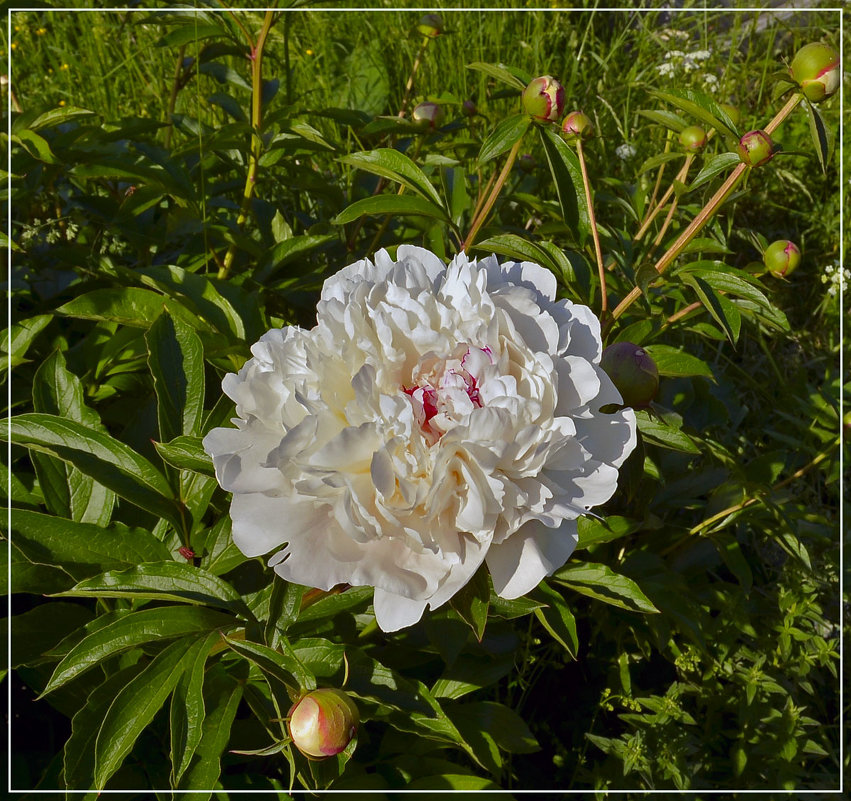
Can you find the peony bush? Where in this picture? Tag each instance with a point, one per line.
(424, 401)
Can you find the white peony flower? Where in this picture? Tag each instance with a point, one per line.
(435, 418)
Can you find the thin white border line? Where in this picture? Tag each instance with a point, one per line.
(839, 10)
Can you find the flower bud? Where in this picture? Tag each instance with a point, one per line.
(577, 125)
(543, 99)
(781, 257)
(428, 115)
(430, 25)
(693, 138)
(469, 108)
(756, 148)
(732, 112)
(815, 69)
(632, 371)
(526, 163)
(323, 723)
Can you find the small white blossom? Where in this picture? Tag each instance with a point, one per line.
(625, 152)
(836, 278)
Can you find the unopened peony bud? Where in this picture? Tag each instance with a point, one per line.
(543, 99)
(693, 138)
(781, 257)
(756, 148)
(323, 723)
(469, 108)
(632, 371)
(815, 69)
(430, 25)
(526, 163)
(577, 125)
(428, 115)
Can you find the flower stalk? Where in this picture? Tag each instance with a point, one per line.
(598, 253)
(256, 140)
(497, 188)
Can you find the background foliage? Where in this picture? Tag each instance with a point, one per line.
(691, 643)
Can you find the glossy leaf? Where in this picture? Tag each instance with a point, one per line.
(186, 453)
(714, 165)
(18, 338)
(702, 106)
(556, 617)
(676, 362)
(602, 583)
(567, 177)
(401, 205)
(821, 133)
(501, 72)
(281, 664)
(396, 166)
(471, 602)
(657, 432)
(724, 312)
(506, 134)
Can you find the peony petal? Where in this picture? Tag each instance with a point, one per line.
(393, 612)
(518, 564)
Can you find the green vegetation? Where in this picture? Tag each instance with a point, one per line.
(692, 640)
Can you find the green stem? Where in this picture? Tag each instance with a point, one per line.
(410, 85)
(485, 210)
(601, 270)
(172, 99)
(256, 139)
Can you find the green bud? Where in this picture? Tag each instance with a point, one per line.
(633, 372)
(428, 115)
(526, 163)
(543, 99)
(756, 148)
(693, 138)
(323, 722)
(781, 257)
(815, 69)
(577, 125)
(469, 108)
(430, 25)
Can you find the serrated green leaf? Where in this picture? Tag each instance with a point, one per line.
(504, 137)
(186, 453)
(676, 363)
(132, 630)
(396, 166)
(136, 704)
(401, 205)
(163, 581)
(602, 583)
(107, 460)
(176, 362)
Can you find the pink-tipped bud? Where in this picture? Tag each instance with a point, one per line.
(577, 125)
(430, 25)
(428, 115)
(323, 722)
(693, 138)
(781, 257)
(526, 163)
(756, 148)
(468, 107)
(815, 69)
(633, 372)
(543, 99)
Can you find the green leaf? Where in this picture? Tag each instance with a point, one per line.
(702, 106)
(186, 714)
(602, 583)
(184, 34)
(659, 433)
(593, 531)
(401, 205)
(657, 160)
(131, 306)
(163, 581)
(176, 362)
(284, 608)
(281, 664)
(286, 251)
(504, 137)
(517, 607)
(57, 116)
(396, 166)
(509, 730)
(35, 145)
(186, 453)
(220, 555)
(222, 694)
(472, 600)
(556, 617)
(112, 463)
(712, 166)
(38, 630)
(56, 390)
(724, 312)
(501, 72)
(676, 363)
(136, 704)
(18, 338)
(822, 135)
(83, 549)
(667, 119)
(132, 630)
(517, 247)
(567, 177)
